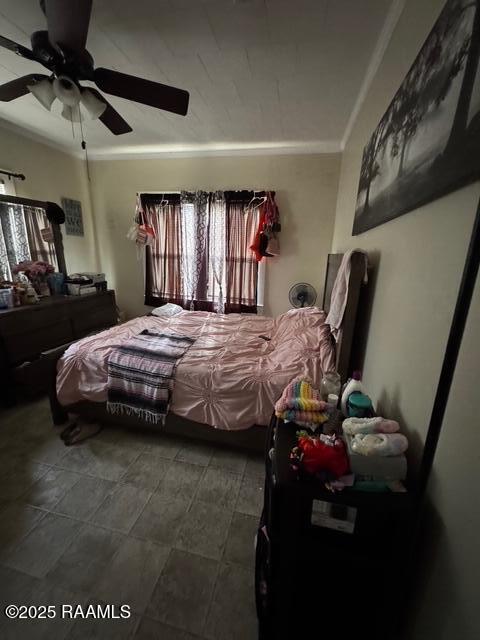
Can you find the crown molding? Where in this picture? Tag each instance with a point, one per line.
(266, 149)
(179, 151)
(393, 16)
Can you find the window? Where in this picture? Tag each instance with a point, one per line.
(7, 186)
(201, 257)
(25, 234)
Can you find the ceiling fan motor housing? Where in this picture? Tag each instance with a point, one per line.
(42, 48)
(60, 60)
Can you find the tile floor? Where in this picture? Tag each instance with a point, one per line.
(163, 524)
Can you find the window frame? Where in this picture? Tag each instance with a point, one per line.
(155, 197)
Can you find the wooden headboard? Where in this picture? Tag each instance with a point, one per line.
(344, 345)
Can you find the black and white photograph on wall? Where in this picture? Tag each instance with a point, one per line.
(428, 142)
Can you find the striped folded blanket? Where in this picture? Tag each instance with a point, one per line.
(141, 374)
(300, 402)
(299, 395)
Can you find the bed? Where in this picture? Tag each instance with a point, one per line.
(228, 381)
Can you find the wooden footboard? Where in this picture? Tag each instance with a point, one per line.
(51, 358)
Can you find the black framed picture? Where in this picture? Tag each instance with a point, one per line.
(428, 142)
(73, 217)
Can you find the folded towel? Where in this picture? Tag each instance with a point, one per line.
(352, 426)
(379, 444)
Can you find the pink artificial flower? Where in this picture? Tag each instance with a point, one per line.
(33, 268)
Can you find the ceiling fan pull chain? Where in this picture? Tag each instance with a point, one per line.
(81, 130)
(84, 147)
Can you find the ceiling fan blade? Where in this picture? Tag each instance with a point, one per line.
(19, 49)
(147, 92)
(68, 23)
(111, 118)
(17, 88)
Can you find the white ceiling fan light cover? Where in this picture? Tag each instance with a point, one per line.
(43, 92)
(94, 106)
(72, 114)
(66, 91)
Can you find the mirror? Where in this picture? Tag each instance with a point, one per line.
(29, 231)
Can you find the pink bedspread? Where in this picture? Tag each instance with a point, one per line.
(230, 378)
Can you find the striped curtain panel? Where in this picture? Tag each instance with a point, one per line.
(40, 236)
(241, 267)
(164, 258)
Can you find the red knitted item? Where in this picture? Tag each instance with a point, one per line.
(318, 456)
(256, 246)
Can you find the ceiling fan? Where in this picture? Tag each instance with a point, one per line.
(61, 49)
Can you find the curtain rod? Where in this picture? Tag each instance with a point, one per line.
(159, 191)
(153, 197)
(53, 211)
(10, 174)
(40, 204)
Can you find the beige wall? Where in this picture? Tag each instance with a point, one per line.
(420, 255)
(446, 605)
(419, 259)
(50, 175)
(306, 189)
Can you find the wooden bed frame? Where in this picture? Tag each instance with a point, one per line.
(253, 438)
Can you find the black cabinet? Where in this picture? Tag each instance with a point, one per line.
(331, 565)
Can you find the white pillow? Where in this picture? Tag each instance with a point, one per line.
(167, 310)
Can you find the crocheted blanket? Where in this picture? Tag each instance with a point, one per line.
(301, 403)
(141, 374)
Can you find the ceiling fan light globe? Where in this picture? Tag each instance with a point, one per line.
(93, 105)
(72, 114)
(66, 91)
(43, 92)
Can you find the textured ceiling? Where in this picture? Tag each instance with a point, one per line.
(261, 73)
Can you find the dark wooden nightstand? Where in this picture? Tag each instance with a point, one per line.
(325, 561)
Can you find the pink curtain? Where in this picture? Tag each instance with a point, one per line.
(164, 281)
(241, 265)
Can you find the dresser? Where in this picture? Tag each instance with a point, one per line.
(27, 331)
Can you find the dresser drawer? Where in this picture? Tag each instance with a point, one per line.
(26, 343)
(27, 331)
(100, 317)
(31, 319)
